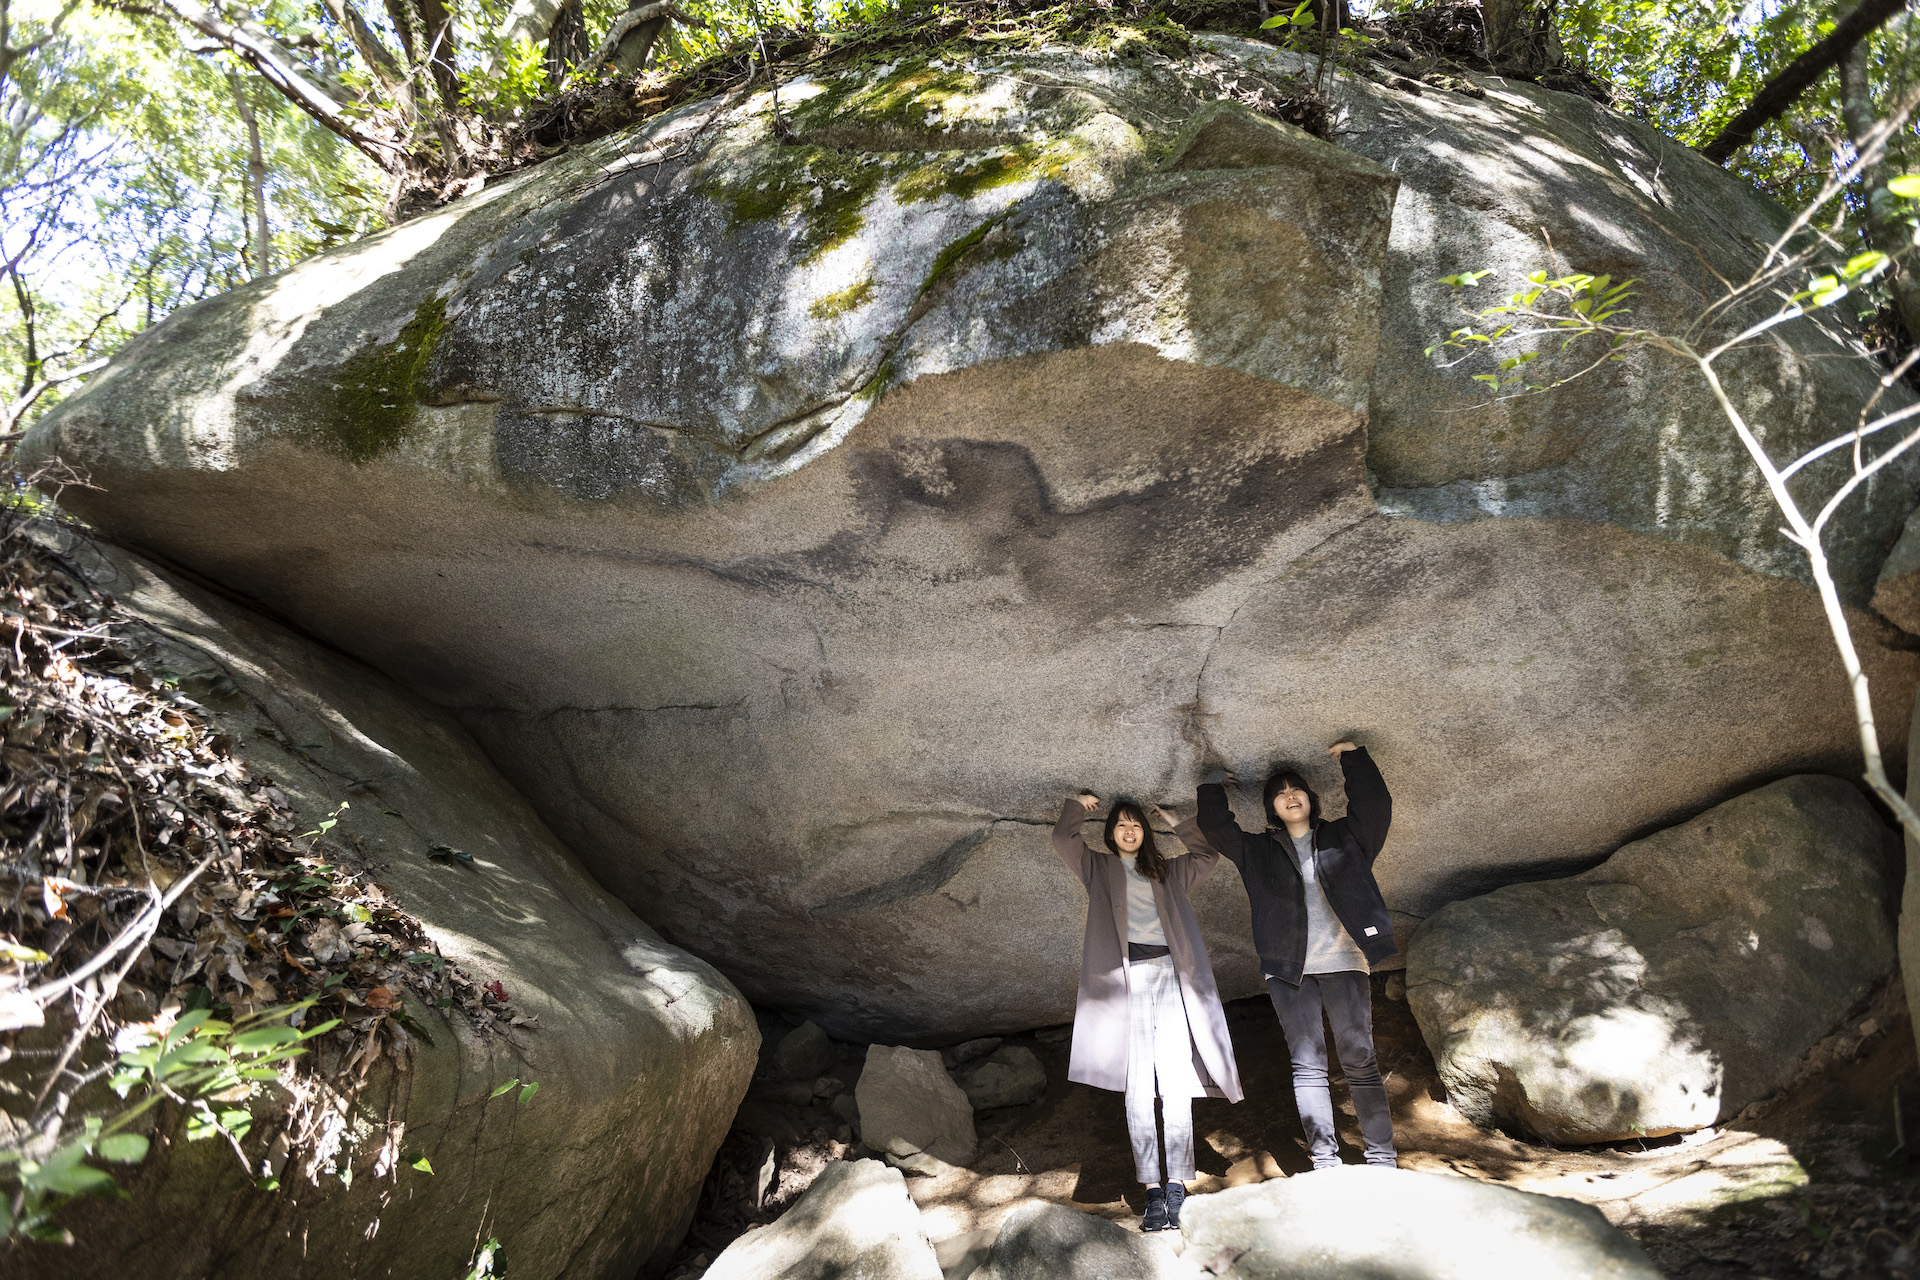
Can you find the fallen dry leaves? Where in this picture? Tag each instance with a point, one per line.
(115, 784)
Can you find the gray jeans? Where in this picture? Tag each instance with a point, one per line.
(1348, 1001)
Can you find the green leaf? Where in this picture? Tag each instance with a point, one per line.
(263, 1038)
(1281, 20)
(511, 1084)
(124, 1148)
(183, 1027)
(1863, 263)
(1907, 184)
(73, 1180)
(526, 1094)
(423, 1165)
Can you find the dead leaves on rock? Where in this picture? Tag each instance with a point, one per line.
(115, 785)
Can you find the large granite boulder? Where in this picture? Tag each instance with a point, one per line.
(641, 1051)
(1394, 1224)
(856, 1220)
(1679, 980)
(1042, 1241)
(794, 523)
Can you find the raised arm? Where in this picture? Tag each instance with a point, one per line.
(1066, 836)
(1369, 807)
(1216, 823)
(1196, 855)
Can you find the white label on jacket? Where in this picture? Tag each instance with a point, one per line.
(1371, 931)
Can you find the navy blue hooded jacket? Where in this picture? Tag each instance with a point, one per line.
(1347, 847)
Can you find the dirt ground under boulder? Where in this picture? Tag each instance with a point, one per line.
(1814, 1182)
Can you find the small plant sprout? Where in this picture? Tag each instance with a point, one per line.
(323, 826)
(1299, 20)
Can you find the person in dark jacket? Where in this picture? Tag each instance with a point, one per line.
(1319, 924)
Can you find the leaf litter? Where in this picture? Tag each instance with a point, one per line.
(147, 871)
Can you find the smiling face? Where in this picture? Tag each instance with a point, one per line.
(1291, 805)
(1128, 833)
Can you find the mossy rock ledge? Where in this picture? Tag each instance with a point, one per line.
(794, 517)
(641, 1051)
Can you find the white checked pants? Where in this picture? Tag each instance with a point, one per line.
(1159, 1061)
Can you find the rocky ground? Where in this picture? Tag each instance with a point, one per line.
(1807, 1183)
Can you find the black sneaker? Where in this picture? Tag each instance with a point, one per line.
(1176, 1196)
(1156, 1216)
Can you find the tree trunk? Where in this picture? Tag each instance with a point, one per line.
(400, 14)
(630, 55)
(1339, 19)
(262, 235)
(566, 42)
(289, 83)
(1885, 228)
(1520, 36)
(437, 37)
(1907, 932)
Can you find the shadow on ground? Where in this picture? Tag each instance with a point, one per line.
(1807, 1183)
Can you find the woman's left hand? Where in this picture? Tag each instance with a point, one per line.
(1162, 817)
(1338, 747)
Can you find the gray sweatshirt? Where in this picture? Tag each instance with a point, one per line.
(1330, 948)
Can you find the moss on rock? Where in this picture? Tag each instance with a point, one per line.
(826, 190)
(378, 391)
(842, 301)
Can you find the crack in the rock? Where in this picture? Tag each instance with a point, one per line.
(929, 877)
(618, 708)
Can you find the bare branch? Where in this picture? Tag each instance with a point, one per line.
(1779, 93)
(296, 88)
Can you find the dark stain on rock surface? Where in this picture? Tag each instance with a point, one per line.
(984, 509)
(926, 878)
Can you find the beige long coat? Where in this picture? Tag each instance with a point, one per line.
(1100, 1013)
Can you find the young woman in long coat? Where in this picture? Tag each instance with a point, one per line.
(1148, 1019)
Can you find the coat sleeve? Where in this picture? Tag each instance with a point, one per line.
(1216, 824)
(1201, 856)
(1067, 842)
(1369, 807)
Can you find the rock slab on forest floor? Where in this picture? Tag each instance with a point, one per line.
(642, 1051)
(1053, 1242)
(856, 1220)
(1679, 980)
(1395, 1224)
(909, 1106)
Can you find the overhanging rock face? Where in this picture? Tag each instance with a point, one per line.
(794, 524)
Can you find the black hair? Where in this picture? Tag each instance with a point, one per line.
(1285, 775)
(1151, 864)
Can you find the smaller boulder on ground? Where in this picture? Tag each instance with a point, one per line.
(804, 1053)
(967, 1051)
(1052, 1242)
(1676, 982)
(909, 1105)
(1395, 1224)
(1008, 1077)
(855, 1220)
